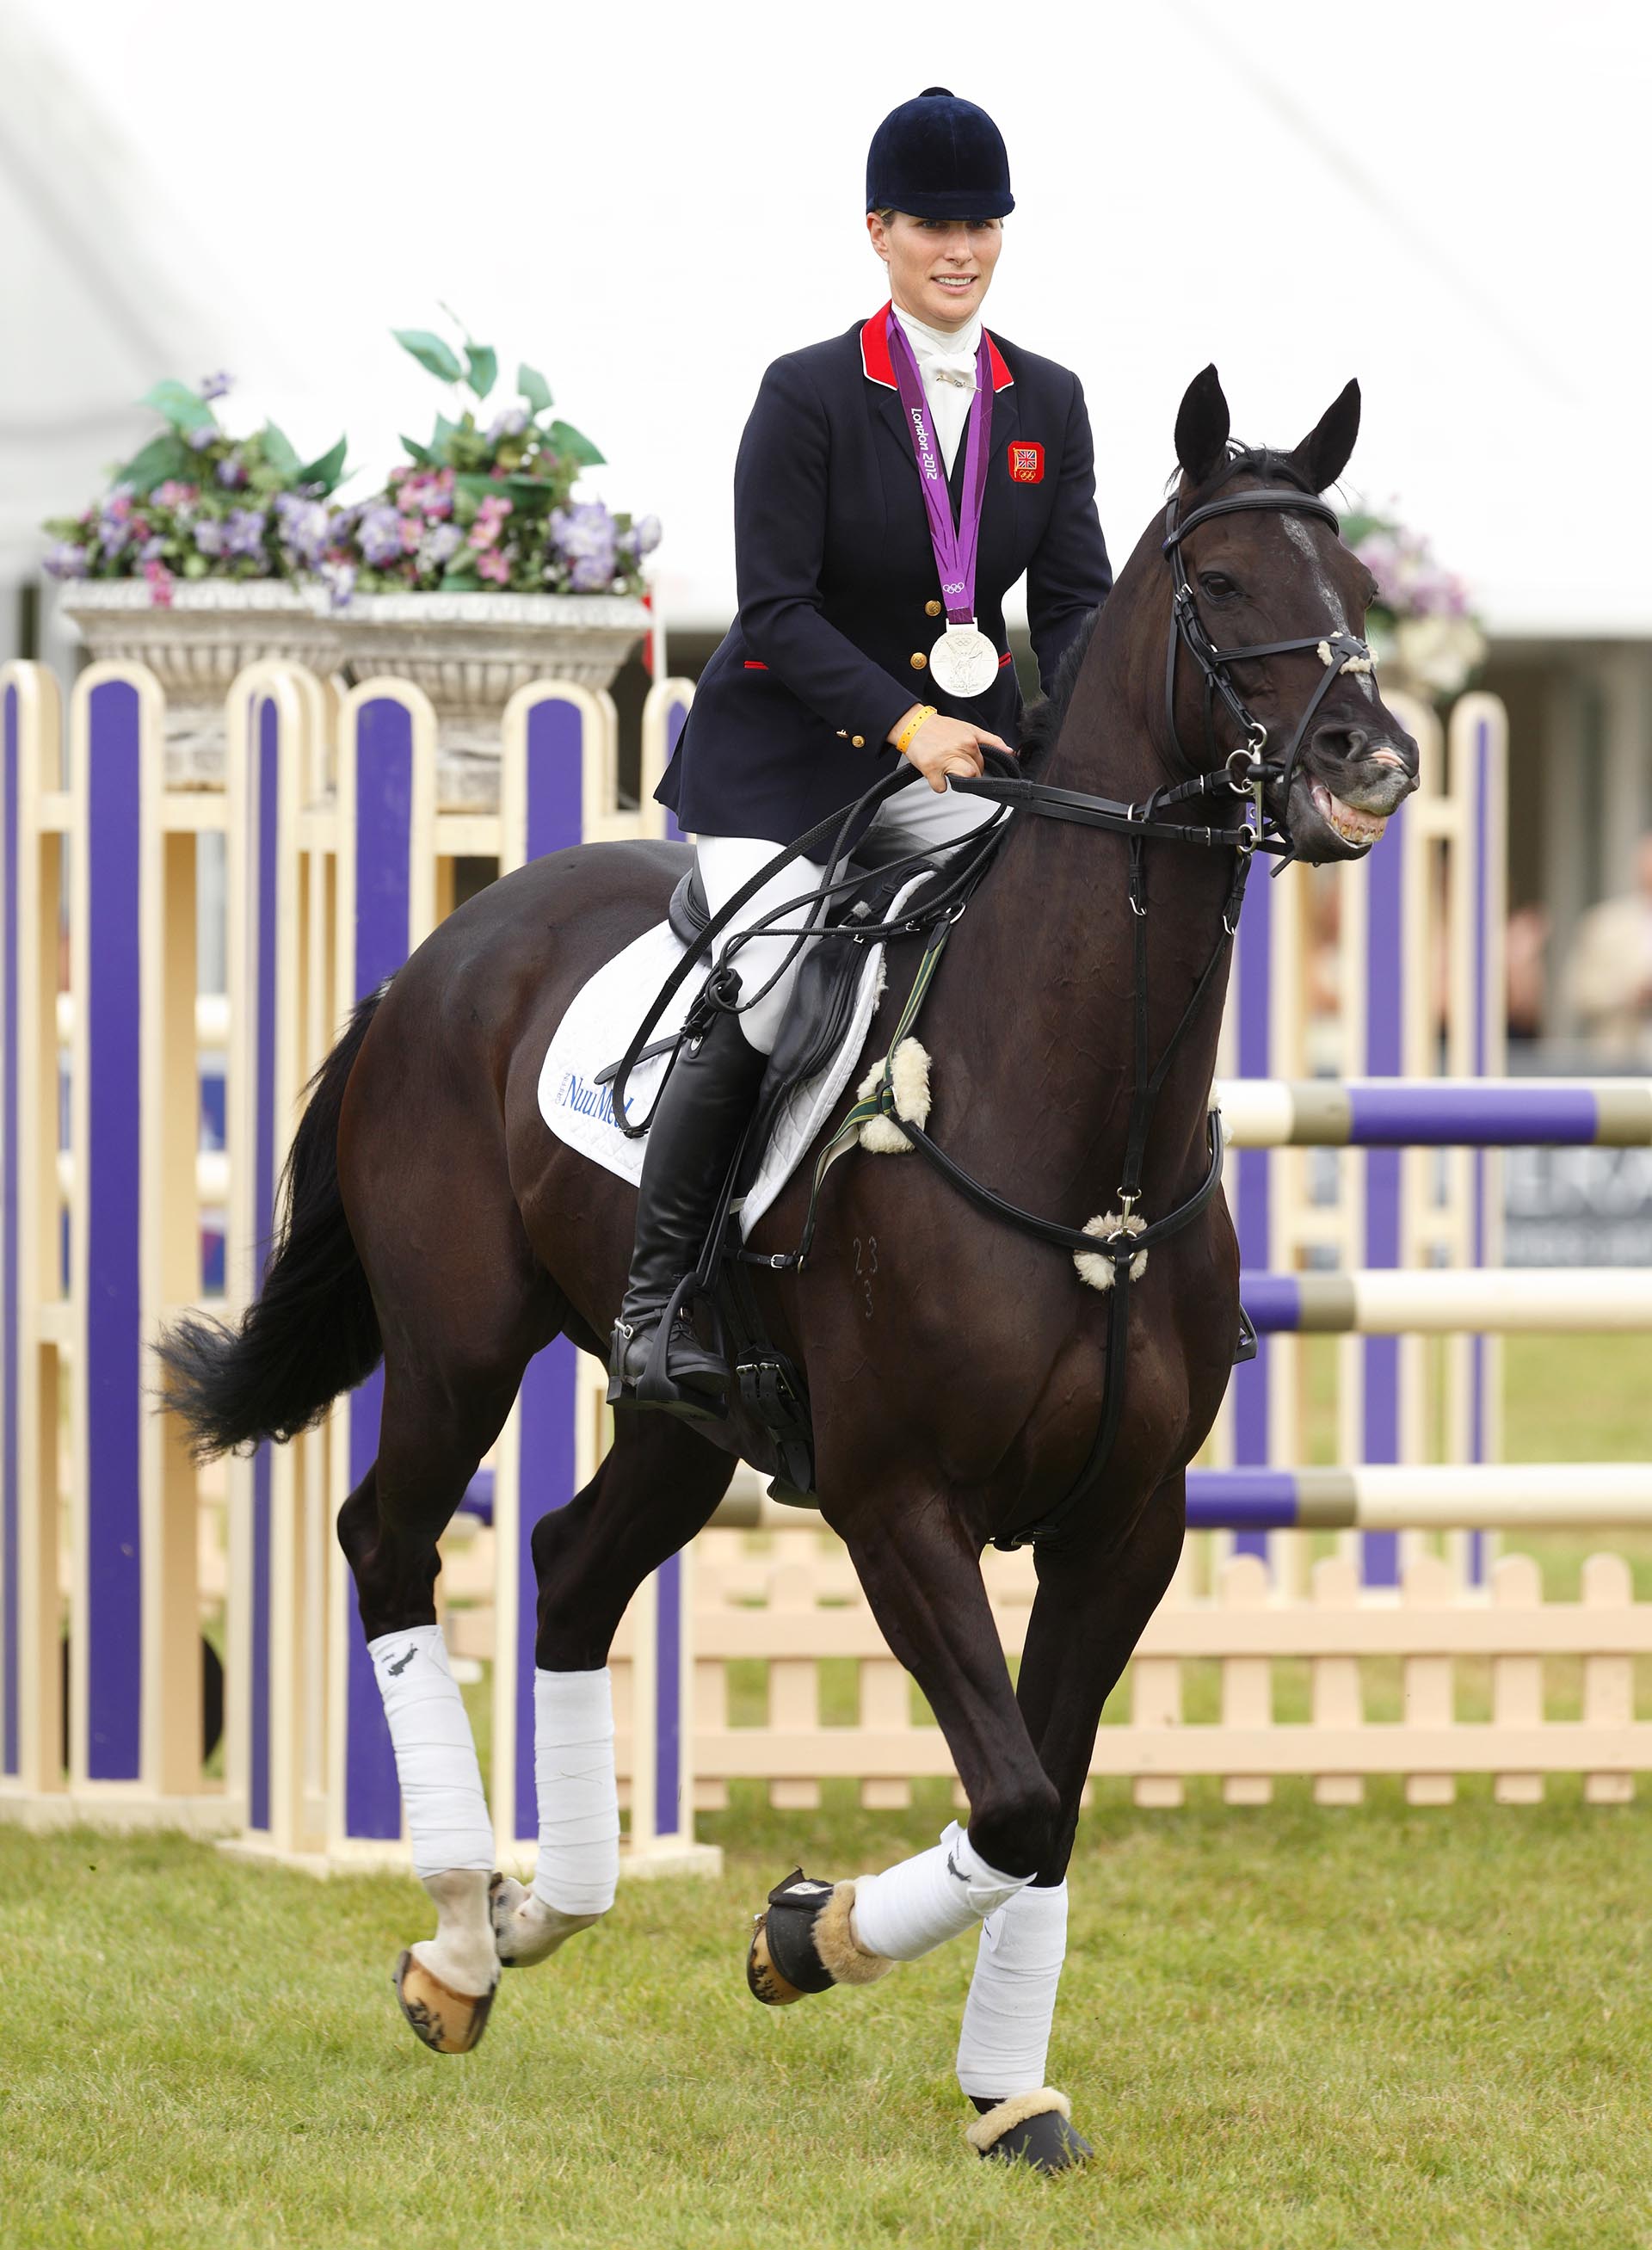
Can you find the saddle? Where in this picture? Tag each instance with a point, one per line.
(772, 1393)
(822, 1003)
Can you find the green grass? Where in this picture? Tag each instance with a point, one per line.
(1293, 2028)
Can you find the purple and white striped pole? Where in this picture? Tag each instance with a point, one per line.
(386, 891)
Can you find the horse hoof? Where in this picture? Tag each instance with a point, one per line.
(526, 1931)
(802, 1942)
(1031, 2129)
(447, 2022)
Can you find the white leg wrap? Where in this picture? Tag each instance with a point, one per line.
(447, 1822)
(578, 1800)
(1006, 2037)
(912, 1909)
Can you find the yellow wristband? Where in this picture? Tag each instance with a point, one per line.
(925, 711)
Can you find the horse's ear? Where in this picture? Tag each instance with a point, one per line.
(1201, 427)
(1324, 453)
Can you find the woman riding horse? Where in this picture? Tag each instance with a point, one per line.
(973, 1389)
(847, 562)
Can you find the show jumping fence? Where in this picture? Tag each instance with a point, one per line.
(339, 857)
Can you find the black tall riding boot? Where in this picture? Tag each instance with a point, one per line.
(692, 1139)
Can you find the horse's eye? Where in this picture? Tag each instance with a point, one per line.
(1217, 584)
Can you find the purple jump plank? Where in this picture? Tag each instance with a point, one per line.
(1274, 1302)
(1244, 1499)
(380, 943)
(1501, 1114)
(114, 1375)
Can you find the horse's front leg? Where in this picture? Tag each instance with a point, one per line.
(1090, 1611)
(922, 1579)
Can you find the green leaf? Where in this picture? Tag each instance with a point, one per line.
(442, 436)
(417, 453)
(163, 457)
(279, 451)
(430, 352)
(484, 368)
(326, 470)
(534, 388)
(459, 577)
(563, 438)
(181, 406)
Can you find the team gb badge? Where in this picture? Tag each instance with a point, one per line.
(1027, 463)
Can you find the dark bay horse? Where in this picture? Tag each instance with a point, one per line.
(433, 1215)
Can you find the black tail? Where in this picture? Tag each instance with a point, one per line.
(312, 1331)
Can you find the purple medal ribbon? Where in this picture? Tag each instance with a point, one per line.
(954, 544)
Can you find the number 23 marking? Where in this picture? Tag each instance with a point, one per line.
(866, 1265)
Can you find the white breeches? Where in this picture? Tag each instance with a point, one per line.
(915, 819)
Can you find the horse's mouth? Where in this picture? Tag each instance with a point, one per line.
(1360, 829)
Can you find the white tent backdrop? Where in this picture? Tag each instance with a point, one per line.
(1449, 200)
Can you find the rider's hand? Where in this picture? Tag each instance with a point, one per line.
(943, 746)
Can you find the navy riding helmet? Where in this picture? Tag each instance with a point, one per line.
(939, 157)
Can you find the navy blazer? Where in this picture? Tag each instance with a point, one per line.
(839, 598)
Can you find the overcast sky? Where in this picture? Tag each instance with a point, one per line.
(1449, 200)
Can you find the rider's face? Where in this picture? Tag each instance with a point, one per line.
(940, 269)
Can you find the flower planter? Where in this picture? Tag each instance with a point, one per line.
(470, 653)
(212, 630)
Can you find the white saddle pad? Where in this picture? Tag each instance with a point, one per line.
(597, 1028)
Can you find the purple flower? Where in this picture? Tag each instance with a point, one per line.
(151, 549)
(380, 535)
(215, 386)
(197, 440)
(115, 520)
(645, 536)
(208, 535)
(232, 471)
(339, 580)
(243, 532)
(510, 423)
(586, 538)
(440, 544)
(304, 525)
(66, 559)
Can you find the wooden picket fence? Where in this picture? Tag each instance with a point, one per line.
(793, 1686)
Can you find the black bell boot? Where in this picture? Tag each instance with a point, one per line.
(692, 1138)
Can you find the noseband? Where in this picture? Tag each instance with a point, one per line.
(1249, 771)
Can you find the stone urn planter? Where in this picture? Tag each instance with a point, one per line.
(212, 629)
(470, 653)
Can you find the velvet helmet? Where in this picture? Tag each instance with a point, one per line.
(939, 157)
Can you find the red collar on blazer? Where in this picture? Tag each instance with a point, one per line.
(875, 355)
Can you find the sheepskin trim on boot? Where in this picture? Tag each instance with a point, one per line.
(845, 1960)
(986, 2131)
(1096, 1270)
(910, 1084)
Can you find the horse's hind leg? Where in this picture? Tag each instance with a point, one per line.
(656, 1489)
(455, 1358)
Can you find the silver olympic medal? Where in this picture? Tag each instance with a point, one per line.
(964, 662)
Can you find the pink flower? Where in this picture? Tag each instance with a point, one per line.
(492, 565)
(160, 582)
(175, 494)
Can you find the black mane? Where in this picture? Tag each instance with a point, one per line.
(1045, 719)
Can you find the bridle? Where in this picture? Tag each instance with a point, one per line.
(1245, 773)
(1246, 768)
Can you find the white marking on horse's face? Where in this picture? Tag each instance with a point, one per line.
(1333, 610)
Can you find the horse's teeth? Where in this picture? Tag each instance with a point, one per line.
(1353, 826)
